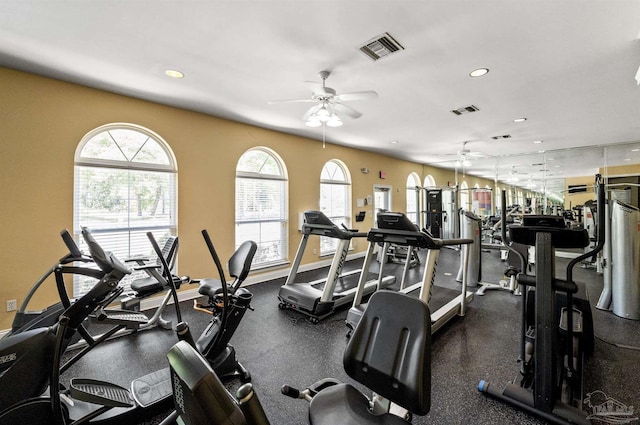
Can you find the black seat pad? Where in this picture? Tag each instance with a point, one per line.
(343, 404)
(210, 287)
(146, 286)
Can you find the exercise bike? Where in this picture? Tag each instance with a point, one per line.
(557, 328)
(389, 353)
(227, 313)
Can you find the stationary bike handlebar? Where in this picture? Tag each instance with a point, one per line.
(223, 282)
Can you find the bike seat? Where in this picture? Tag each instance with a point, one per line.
(343, 404)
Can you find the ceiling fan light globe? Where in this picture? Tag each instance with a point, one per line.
(323, 113)
(458, 164)
(313, 122)
(466, 163)
(334, 121)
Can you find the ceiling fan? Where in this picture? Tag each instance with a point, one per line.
(329, 104)
(465, 155)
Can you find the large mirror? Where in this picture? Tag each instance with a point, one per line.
(560, 177)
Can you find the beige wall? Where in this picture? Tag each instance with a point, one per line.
(42, 121)
(621, 170)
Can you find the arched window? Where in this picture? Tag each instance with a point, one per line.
(261, 205)
(335, 199)
(413, 196)
(125, 186)
(429, 181)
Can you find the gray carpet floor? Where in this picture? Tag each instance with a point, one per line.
(283, 347)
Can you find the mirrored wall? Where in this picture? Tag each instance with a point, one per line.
(563, 176)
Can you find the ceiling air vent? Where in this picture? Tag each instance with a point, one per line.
(465, 110)
(380, 47)
(505, 136)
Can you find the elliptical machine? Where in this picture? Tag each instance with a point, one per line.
(126, 320)
(557, 328)
(33, 356)
(25, 319)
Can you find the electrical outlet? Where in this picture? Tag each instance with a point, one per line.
(315, 251)
(12, 305)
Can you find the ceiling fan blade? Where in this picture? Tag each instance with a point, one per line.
(272, 102)
(477, 154)
(358, 95)
(346, 110)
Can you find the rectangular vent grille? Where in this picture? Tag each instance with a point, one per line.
(505, 136)
(465, 110)
(381, 46)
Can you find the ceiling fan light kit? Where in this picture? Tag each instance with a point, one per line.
(322, 115)
(463, 163)
(329, 104)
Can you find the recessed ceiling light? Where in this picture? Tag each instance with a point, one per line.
(523, 119)
(627, 159)
(478, 72)
(537, 142)
(174, 73)
(394, 142)
(635, 150)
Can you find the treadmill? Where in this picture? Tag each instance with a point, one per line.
(444, 303)
(320, 298)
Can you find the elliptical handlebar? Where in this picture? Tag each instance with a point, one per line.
(74, 251)
(600, 198)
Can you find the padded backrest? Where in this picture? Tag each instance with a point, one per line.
(240, 261)
(390, 350)
(198, 395)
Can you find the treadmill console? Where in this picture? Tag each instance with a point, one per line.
(317, 217)
(555, 221)
(396, 221)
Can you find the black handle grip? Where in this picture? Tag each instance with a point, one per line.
(290, 391)
(70, 243)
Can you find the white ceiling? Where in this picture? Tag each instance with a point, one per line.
(567, 66)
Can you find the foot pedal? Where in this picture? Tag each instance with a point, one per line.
(152, 388)
(121, 317)
(577, 320)
(100, 392)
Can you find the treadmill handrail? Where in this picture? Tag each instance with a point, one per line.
(419, 239)
(332, 231)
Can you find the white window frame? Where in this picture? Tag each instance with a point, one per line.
(413, 193)
(102, 234)
(327, 245)
(283, 221)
